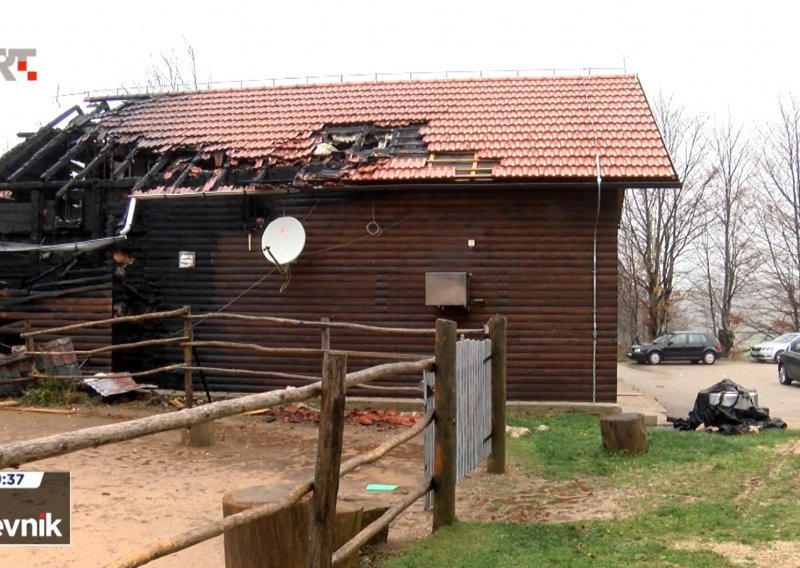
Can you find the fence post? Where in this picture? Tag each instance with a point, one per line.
(329, 458)
(444, 452)
(326, 334)
(188, 386)
(497, 333)
(199, 435)
(30, 346)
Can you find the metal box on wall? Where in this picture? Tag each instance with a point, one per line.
(446, 288)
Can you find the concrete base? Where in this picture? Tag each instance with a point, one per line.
(198, 436)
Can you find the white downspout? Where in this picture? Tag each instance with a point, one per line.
(594, 282)
(128, 218)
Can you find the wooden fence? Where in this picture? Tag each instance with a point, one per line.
(332, 388)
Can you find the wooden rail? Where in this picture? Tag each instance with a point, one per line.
(14, 454)
(332, 387)
(115, 347)
(307, 351)
(381, 523)
(332, 324)
(166, 546)
(111, 321)
(165, 369)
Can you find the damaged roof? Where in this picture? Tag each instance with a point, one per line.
(535, 127)
(512, 129)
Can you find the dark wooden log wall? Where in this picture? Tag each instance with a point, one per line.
(63, 307)
(532, 262)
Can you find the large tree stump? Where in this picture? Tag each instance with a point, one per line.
(281, 540)
(276, 541)
(624, 432)
(367, 510)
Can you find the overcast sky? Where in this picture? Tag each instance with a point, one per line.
(719, 57)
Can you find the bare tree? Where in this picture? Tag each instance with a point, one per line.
(727, 247)
(628, 294)
(171, 70)
(780, 179)
(659, 225)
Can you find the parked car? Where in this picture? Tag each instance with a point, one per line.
(694, 346)
(789, 363)
(771, 350)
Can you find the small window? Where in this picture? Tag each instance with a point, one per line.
(680, 339)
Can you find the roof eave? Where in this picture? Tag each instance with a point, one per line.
(613, 184)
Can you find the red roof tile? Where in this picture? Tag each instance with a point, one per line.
(535, 127)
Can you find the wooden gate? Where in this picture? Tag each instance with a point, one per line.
(473, 408)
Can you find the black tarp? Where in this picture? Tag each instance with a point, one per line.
(728, 406)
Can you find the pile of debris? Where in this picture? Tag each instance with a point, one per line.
(728, 408)
(357, 417)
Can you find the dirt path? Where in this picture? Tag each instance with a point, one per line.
(129, 494)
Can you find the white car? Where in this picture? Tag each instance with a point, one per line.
(770, 350)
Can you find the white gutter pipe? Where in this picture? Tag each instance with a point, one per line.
(594, 282)
(128, 218)
(82, 246)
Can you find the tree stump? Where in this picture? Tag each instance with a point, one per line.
(624, 432)
(276, 541)
(367, 510)
(281, 540)
(199, 435)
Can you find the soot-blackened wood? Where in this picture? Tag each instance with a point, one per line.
(182, 177)
(96, 161)
(497, 333)
(37, 205)
(624, 432)
(73, 150)
(444, 453)
(329, 458)
(55, 141)
(157, 167)
(120, 169)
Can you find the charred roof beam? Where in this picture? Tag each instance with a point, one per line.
(261, 173)
(41, 153)
(64, 160)
(125, 163)
(79, 121)
(153, 171)
(192, 163)
(98, 159)
(223, 173)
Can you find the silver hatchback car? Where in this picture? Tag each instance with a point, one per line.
(771, 350)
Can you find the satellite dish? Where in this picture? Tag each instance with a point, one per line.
(283, 240)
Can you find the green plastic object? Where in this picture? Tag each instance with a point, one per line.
(381, 487)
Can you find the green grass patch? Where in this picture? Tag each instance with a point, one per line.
(54, 392)
(688, 487)
(481, 545)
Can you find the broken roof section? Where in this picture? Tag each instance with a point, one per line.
(515, 129)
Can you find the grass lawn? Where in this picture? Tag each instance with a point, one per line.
(693, 499)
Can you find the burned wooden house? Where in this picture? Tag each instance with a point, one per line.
(420, 198)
